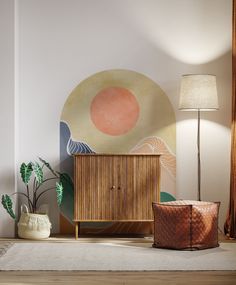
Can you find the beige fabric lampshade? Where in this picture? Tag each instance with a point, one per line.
(198, 92)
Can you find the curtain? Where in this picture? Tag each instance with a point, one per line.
(230, 224)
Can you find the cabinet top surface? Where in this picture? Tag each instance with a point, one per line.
(117, 154)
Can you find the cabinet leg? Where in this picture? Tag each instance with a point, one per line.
(77, 228)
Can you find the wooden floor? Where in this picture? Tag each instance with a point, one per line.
(116, 278)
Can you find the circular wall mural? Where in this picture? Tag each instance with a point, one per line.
(118, 111)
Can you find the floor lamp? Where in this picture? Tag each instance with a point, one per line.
(198, 93)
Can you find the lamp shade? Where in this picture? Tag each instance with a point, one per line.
(198, 92)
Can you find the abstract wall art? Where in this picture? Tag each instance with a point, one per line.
(117, 111)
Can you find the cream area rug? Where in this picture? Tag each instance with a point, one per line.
(4, 246)
(114, 257)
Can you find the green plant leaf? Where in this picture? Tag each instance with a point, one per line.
(7, 204)
(66, 180)
(59, 190)
(48, 166)
(67, 204)
(38, 171)
(26, 171)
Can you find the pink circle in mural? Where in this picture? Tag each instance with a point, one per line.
(114, 111)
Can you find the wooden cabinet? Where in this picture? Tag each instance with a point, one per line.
(119, 187)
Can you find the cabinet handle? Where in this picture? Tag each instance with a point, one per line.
(114, 187)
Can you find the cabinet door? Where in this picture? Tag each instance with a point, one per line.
(94, 188)
(136, 178)
(142, 186)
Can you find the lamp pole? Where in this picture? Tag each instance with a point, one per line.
(198, 157)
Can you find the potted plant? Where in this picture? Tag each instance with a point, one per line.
(32, 224)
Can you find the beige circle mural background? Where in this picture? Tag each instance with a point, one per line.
(155, 116)
(117, 111)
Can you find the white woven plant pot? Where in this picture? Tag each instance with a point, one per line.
(33, 226)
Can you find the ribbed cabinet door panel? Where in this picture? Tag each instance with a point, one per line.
(119, 193)
(93, 182)
(142, 186)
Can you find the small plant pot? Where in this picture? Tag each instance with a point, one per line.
(33, 226)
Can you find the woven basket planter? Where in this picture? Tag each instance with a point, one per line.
(33, 226)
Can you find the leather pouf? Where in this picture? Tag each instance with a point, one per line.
(186, 224)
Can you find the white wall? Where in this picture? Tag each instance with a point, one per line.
(61, 42)
(7, 159)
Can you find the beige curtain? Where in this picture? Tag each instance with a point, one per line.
(230, 224)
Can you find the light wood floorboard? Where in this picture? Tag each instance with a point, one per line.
(115, 278)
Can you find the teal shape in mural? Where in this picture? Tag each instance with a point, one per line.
(166, 197)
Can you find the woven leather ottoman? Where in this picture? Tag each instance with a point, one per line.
(186, 224)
